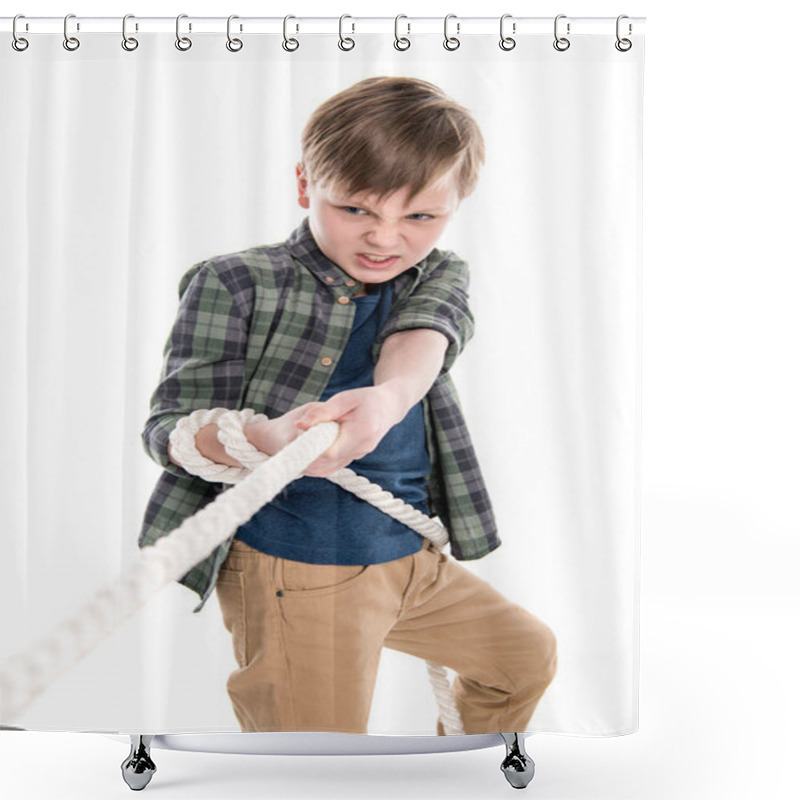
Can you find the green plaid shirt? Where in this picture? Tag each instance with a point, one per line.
(264, 328)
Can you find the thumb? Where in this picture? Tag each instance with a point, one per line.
(313, 416)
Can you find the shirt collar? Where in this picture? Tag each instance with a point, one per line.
(303, 246)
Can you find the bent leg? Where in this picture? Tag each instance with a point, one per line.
(504, 656)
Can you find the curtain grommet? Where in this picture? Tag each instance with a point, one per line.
(506, 42)
(622, 44)
(129, 43)
(401, 43)
(183, 43)
(289, 44)
(345, 42)
(561, 43)
(451, 42)
(234, 45)
(19, 43)
(70, 43)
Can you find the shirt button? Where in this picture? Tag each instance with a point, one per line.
(349, 283)
(329, 279)
(326, 362)
(343, 300)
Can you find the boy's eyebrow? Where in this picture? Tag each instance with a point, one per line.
(352, 201)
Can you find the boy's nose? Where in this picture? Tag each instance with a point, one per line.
(383, 236)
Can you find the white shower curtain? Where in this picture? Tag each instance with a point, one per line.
(122, 169)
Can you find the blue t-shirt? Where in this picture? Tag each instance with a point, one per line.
(317, 522)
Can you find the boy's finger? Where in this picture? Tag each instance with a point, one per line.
(323, 412)
(322, 468)
(313, 416)
(305, 423)
(338, 455)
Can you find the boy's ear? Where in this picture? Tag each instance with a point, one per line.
(302, 186)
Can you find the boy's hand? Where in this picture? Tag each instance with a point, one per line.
(364, 415)
(272, 435)
(409, 363)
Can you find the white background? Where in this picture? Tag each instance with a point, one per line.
(720, 528)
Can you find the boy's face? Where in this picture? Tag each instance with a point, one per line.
(358, 234)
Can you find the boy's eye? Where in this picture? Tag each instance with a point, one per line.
(356, 211)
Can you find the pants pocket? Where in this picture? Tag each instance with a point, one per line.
(296, 577)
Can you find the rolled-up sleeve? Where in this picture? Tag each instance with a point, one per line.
(440, 302)
(204, 360)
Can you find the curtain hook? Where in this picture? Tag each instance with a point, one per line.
(623, 45)
(561, 43)
(290, 45)
(346, 43)
(183, 43)
(129, 43)
(234, 45)
(18, 42)
(401, 43)
(451, 42)
(506, 42)
(70, 42)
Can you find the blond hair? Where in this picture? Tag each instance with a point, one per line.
(386, 133)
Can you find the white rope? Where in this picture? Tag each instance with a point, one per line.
(443, 691)
(231, 424)
(25, 676)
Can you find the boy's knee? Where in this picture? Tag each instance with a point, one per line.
(549, 650)
(541, 653)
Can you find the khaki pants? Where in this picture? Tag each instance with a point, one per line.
(308, 639)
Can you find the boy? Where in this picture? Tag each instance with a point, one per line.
(356, 318)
